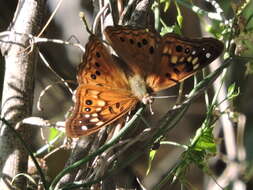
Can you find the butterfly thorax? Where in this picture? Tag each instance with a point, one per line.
(139, 88)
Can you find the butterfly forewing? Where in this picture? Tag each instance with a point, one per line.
(137, 47)
(98, 66)
(181, 58)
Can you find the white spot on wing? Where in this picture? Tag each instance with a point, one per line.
(174, 59)
(94, 115)
(94, 120)
(99, 123)
(208, 55)
(101, 103)
(87, 115)
(189, 59)
(195, 66)
(98, 109)
(94, 92)
(84, 127)
(181, 59)
(194, 61)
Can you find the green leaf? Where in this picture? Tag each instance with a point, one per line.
(152, 154)
(179, 16)
(167, 4)
(233, 91)
(180, 20)
(53, 133)
(205, 141)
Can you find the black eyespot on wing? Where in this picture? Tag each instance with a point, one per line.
(98, 73)
(93, 76)
(151, 50)
(97, 64)
(144, 41)
(98, 54)
(88, 102)
(131, 41)
(179, 48)
(110, 109)
(122, 39)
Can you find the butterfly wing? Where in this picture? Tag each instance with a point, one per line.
(103, 94)
(96, 107)
(162, 61)
(181, 58)
(98, 66)
(137, 47)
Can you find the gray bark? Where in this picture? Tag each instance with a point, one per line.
(17, 98)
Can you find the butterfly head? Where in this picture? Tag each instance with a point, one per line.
(147, 99)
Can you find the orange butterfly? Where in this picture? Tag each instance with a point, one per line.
(109, 87)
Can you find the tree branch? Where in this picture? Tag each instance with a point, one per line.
(17, 99)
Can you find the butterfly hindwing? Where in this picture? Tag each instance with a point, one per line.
(96, 107)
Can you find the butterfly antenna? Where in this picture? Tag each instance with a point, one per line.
(82, 16)
(163, 97)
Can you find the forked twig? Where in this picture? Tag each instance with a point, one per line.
(98, 16)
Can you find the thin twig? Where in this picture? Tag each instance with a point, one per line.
(36, 40)
(50, 18)
(98, 16)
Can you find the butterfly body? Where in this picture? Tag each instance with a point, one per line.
(138, 87)
(109, 88)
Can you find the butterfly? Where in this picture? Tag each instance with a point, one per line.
(109, 86)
